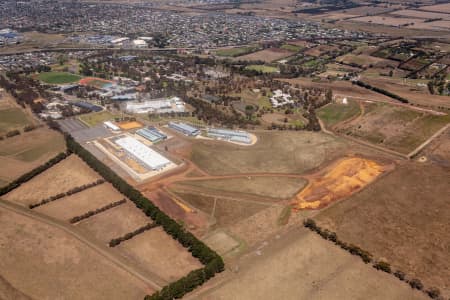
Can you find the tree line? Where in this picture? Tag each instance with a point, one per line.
(380, 91)
(433, 293)
(212, 262)
(115, 242)
(97, 211)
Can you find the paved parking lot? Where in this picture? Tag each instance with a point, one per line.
(81, 132)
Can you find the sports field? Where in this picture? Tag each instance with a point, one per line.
(58, 77)
(262, 68)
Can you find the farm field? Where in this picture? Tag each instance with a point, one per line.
(301, 265)
(24, 152)
(45, 263)
(363, 60)
(334, 113)
(80, 203)
(67, 174)
(113, 223)
(267, 55)
(258, 186)
(58, 77)
(233, 52)
(170, 261)
(275, 152)
(395, 127)
(262, 68)
(340, 180)
(403, 219)
(96, 118)
(13, 118)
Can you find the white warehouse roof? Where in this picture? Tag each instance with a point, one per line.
(111, 126)
(146, 155)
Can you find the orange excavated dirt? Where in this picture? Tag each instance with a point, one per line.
(130, 125)
(342, 180)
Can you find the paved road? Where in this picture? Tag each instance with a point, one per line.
(155, 281)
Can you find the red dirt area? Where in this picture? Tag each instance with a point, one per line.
(94, 81)
(197, 221)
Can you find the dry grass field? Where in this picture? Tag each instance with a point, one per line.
(69, 173)
(257, 186)
(267, 55)
(301, 265)
(80, 203)
(160, 253)
(47, 263)
(114, 222)
(275, 152)
(24, 152)
(402, 218)
(395, 127)
(363, 60)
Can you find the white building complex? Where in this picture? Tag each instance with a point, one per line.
(163, 105)
(279, 98)
(145, 155)
(237, 136)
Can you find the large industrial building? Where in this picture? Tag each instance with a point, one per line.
(164, 105)
(184, 128)
(152, 134)
(143, 154)
(230, 135)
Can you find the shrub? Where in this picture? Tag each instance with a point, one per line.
(383, 266)
(12, 133)
(416, 284)
(434, 293)
(400, 275)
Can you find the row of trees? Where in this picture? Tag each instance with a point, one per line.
(97, 211)
(27, 176)
(68, 193)
(381, 91)
(130, 235)
(212, 261)
(415, 283)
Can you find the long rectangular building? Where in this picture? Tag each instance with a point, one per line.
(230, 135)
(184, 128)
(152, 134)
(144, 154)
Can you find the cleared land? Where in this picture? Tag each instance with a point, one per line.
(275, 152)
(13, 118)
(341, 180)
(363, 60)
(402, 218)
(161, 254)
(233, 52)
(395, 127)
(267, 55)
(47, 263)
(24, 152)
(262, 68)
(259, 186)
(69, 173)
(301, 265)
(58, 77)
(334, 113)
(80, 203)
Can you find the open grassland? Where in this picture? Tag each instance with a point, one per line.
(334, 113)
(233, 52)
(363, 60)
(223, 211)
(301, 265)
(258, 186)
(13, 118)
(58, 77)
(69, 173)
(96, 118)
(275, 152)
(262, 68)
(80, 203)
(47, 263)
(161, 254)
(24, 152)
(403, 219)
(115, 222)
(341, 180)
(267, 55)
(291, 47)
(395, 127)
(254, 98)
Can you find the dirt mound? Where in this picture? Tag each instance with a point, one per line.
(340, 181)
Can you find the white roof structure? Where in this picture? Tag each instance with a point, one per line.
(144, 154)
(111, 126)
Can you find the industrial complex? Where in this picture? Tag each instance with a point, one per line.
(163, 105)
(237, 136)
(184, 128)
(152, 134)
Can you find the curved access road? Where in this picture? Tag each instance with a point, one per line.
(153, 280)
